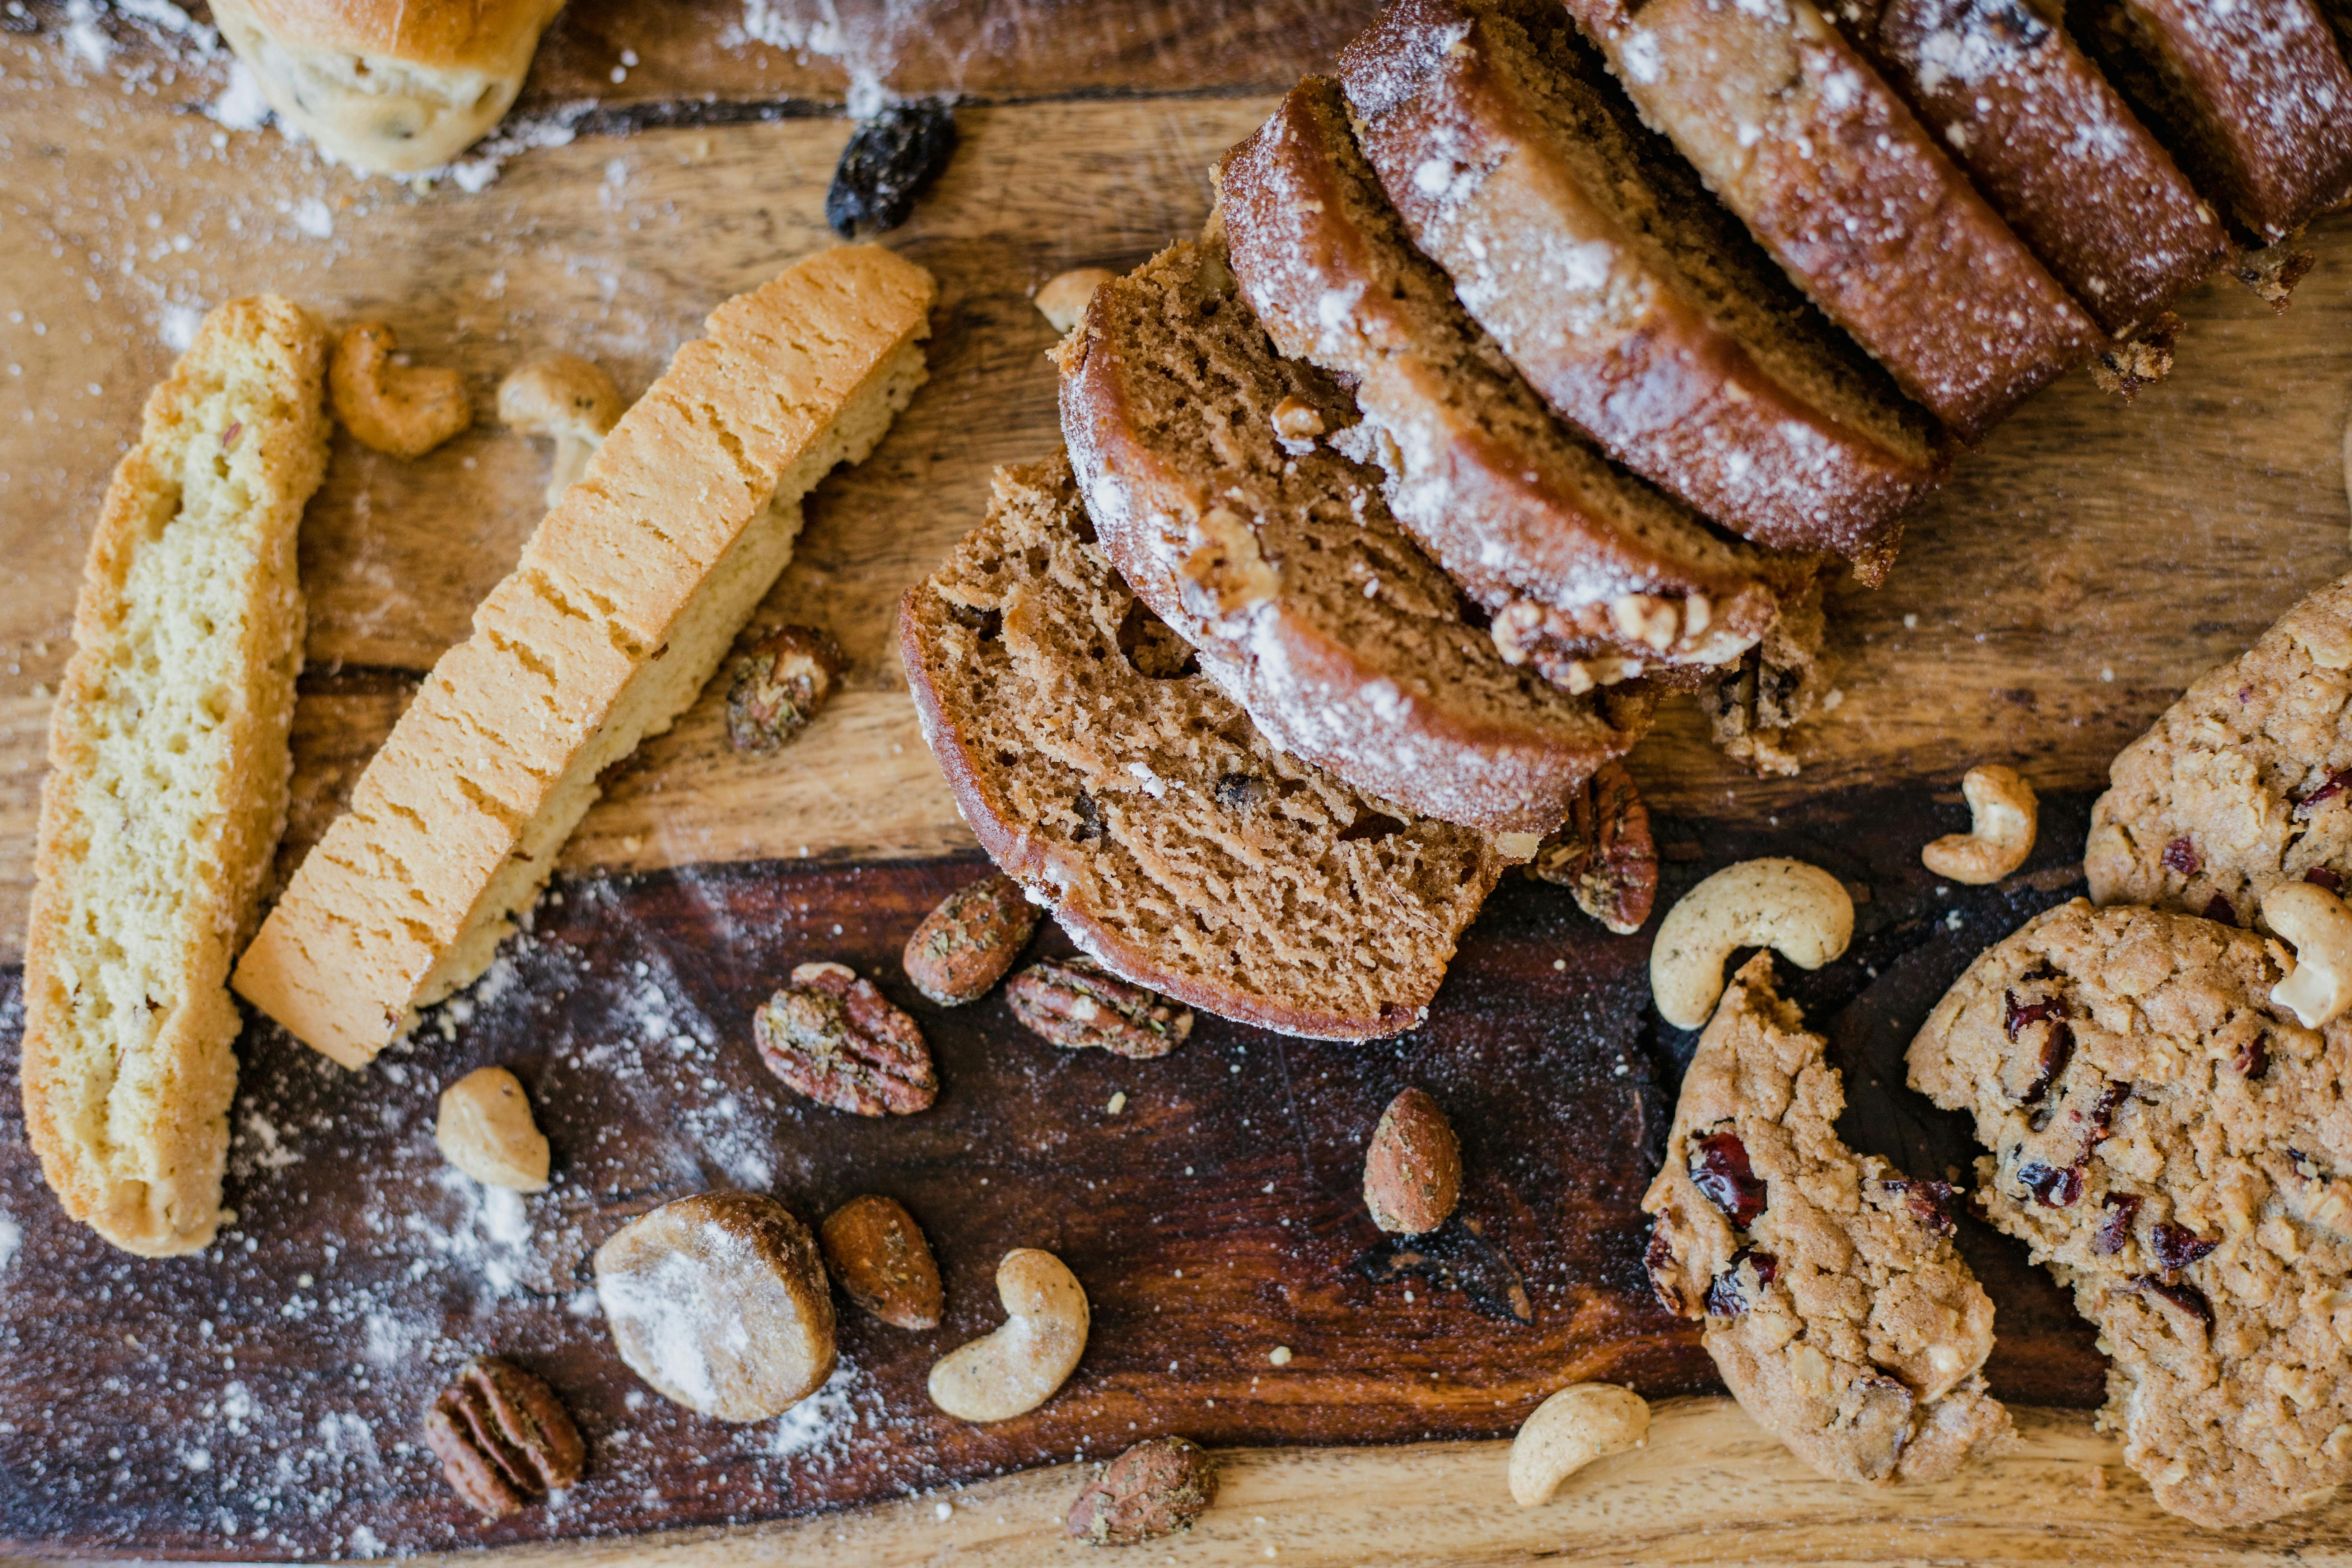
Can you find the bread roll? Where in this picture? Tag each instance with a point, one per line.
(387, 87)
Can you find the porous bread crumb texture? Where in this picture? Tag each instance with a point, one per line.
(1635, 305)
(2243, 784)
(2196, 1147)
(167, 784)
(626, 597)
(2254, 98)
(1516, 506)
(1276, 555)
(1131, 796)
(2052, 146)
(1835, 178)
(1863, 1348)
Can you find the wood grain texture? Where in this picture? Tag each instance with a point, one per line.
(267, 1391)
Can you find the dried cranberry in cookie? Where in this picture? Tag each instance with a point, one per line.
(2185, 1173)
(1835, 1306)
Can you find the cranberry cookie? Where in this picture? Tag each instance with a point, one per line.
(1836, 1307)
(2169, 1143)
(2244, 782)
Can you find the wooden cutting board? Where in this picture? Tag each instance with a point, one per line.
(262, 1401)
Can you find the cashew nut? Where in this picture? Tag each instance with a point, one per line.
(1799, 910)
(2319, 986)
(1063, 299)
(486, 1130)
(1018, 1367)
(1569, 1431)
(2002, 814)
(569, 398)
(403, 410)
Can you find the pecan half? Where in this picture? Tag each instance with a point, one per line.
(834, 1037)
(503, 1438)
(1603, 853)
(778, 687)
(1077, 1002)
(1157, 1488)
(966, 945)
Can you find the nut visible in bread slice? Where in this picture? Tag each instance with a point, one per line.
(168, 769)
(1176, 846)
(625, 600)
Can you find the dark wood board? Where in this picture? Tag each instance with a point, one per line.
(277, 1381)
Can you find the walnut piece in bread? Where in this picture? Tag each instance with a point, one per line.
(393, 87)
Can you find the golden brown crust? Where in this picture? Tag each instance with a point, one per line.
(131, 1123)
(626, 599)
(444, 34)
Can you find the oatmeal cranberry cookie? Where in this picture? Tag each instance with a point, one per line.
(1836, 1308)
(2243, 784)
(2178, 1151)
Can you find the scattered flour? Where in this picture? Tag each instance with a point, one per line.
(176, 325)
(11, 1237)
(240, 106)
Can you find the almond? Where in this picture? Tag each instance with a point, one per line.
(1413, 1173)
(876, 1251)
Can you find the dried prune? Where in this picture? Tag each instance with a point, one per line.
(1720, 1168)
(888, 162)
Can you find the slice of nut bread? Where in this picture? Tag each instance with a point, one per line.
(1837, 1308)
(1834, 176)
(1638, 308)
(1201, 454)
(625, 600)
(168, 771)
(1131, 796)
(2253, 96)
(2051, 143)
(1573, 556)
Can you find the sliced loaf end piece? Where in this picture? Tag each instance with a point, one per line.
(1635, 305)
(1836, 177)
(1276, 556)
(1577, 560)
(1131, 797)
(625, 600)
(167, 784)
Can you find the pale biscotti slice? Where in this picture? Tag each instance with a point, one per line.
(1837, 178)
(626, 599)
(1131, 797)
(1584, 567)
(168, 771)
(2051, 143)
(1836, 1307)
(1205, 461)
(2177, 1148)
(1640, 309)
(2254, 96)
(2243, 784)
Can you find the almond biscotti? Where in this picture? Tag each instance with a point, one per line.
(626, 599)
(1115, 782)
(168, 771)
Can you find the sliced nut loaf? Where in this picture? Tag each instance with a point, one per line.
(1836, 1307)
(1798, 135)
(1637, 307)
(1199, 451)
(2254, 96)
(2051, 144)
(625, 600)
(1587, 571)
(1106, 775)
(166, 791)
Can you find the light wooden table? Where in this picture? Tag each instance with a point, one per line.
(2078, 571)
